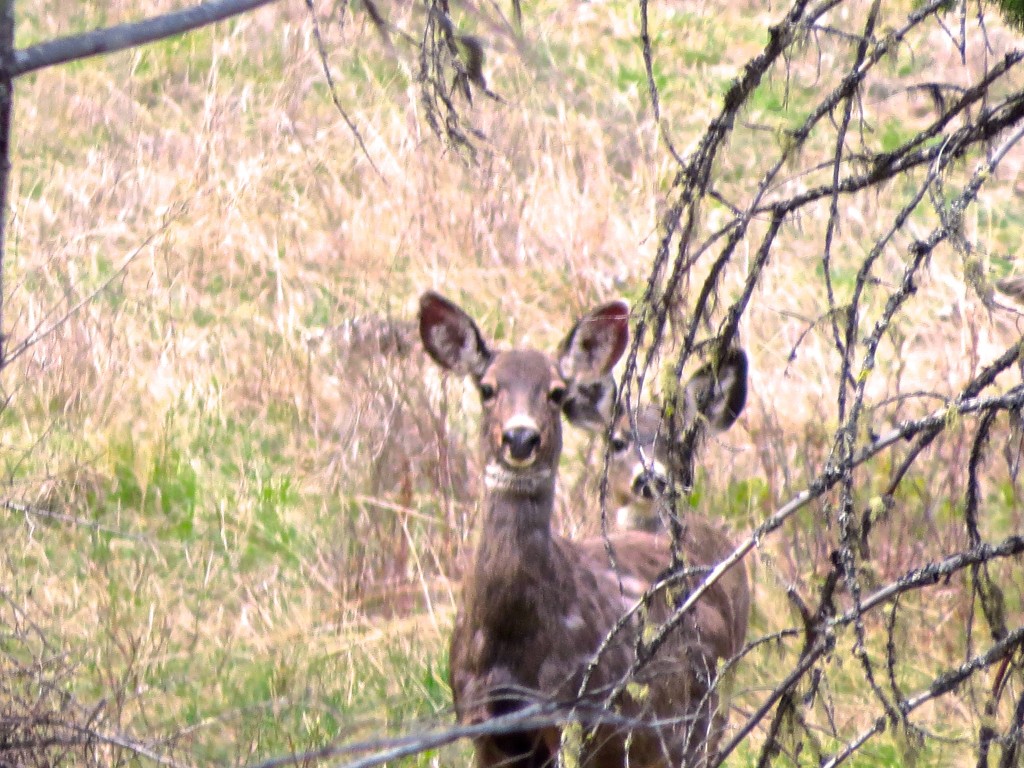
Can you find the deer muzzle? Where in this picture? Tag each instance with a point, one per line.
(519, 445)
(649, 482)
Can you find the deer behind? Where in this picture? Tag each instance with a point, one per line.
(648, 454)
(536, 607)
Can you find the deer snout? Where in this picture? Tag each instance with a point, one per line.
(520, 444)
(520, 441)
(649, 482)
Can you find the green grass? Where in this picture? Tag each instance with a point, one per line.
(234, 514)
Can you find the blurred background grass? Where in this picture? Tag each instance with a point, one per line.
(243, 499)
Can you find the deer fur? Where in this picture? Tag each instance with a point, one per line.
(536, 607)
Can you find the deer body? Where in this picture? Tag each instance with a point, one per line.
(537, 607)
(645, 459)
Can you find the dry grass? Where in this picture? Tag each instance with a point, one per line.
(259, 511)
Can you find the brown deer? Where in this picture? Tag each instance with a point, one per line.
(647, 453)
(541, 618)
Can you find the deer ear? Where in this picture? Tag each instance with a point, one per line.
(593, 346)
(451, 337)
(589, 405)
(722, 398)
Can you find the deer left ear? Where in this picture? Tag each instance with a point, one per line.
(451, 337)
(594, 345)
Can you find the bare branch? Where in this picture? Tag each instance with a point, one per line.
(33, 511)
(322, 51)
(939, 687)
(40, 332)
(123, 36)
(6, 110)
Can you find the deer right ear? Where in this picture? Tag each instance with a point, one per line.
(595, 344)
(451, 337)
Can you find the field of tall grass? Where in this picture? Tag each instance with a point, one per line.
(238, 498)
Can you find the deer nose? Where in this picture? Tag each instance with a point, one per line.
(649, 484)
(520, 443)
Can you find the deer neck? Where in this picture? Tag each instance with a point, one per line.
(517, 567)
(517, 518)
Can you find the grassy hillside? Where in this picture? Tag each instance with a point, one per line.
(237, 497)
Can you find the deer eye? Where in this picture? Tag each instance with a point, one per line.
(619, 444)
(487, 392)
(557, 394)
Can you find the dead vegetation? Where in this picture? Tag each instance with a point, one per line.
(216, 420)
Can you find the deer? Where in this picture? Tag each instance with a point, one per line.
(650, 465)
(545, 620)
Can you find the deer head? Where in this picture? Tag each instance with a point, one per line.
(649, 448)
(523, 391)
